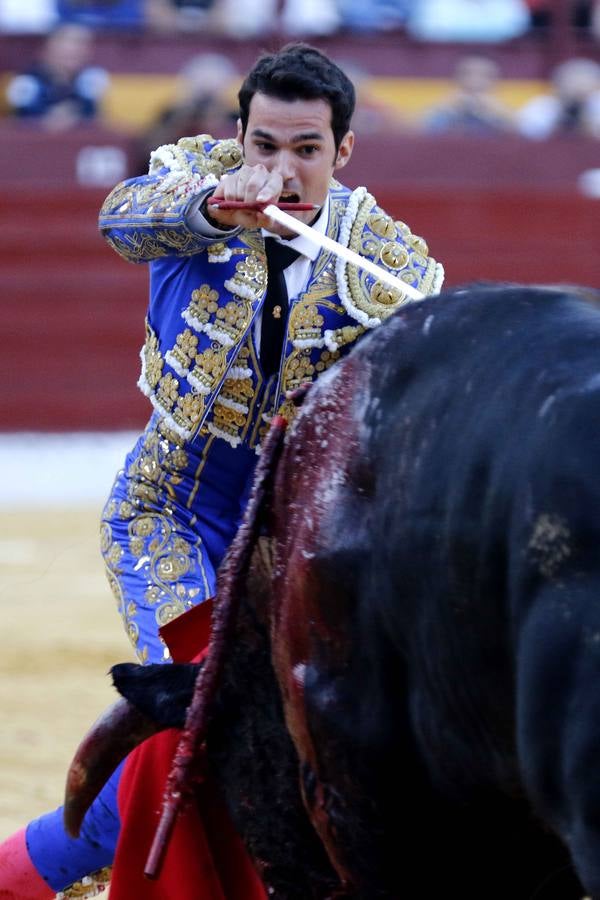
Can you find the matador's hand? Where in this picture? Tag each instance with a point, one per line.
(249, 184)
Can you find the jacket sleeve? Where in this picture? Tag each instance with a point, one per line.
(146, 218)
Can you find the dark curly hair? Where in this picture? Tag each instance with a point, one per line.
(301, 72)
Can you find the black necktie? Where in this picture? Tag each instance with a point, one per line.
(275, 307)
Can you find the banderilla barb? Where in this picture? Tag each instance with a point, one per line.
(231, 577)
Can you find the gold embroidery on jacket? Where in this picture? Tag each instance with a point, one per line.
(375, 298)
(170, 564)
(184, 352)
(90, 886)
(228, 154)
(237, 392)
(347, 334)
(394, 255)
(306, 322)
(190, 409)
(382, 295)
(208, 369)
(382, 224)
(138, 245)
(233, 319)
(250, 278)
(153, 361)
(326, 359)
(297, 369)
(203, 305)
(167, 392)
(228, 421)
(191, 156)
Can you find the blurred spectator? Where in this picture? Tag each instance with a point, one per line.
(372, 15)
(595, 21)
(182, 15)
(36, 16)
(126, 14)
(158, 15)
(206, 103)
(573, 106)
(61, 89)
(467, 20)
(297, 18)
(581, 14)
(309, 18)
(371, 114)
(540, 14)
(472, 107)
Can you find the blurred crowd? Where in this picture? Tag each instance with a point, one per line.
(443, 20)
(62, 86)
(570, 105)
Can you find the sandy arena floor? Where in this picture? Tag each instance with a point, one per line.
(60, 634)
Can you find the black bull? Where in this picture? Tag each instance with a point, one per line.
(424, 615)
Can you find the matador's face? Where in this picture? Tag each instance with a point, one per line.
(295, 138)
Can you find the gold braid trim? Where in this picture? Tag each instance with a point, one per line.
(90, 886)
(391, 245)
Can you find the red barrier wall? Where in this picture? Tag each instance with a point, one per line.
(71, 315)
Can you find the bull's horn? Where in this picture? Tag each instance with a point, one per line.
(118, 731)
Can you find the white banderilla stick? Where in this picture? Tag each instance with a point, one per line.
(321, 240)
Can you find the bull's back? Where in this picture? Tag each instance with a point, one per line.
(405, 485)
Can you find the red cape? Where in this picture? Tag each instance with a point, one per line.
(205, 858)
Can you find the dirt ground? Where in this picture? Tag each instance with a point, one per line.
(60, 634)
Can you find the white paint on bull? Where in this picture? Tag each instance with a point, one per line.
(591, 385)
(550, 543)
(299, 674)
(591, 638)
(546, 406)
(588, 387)
(375, 413)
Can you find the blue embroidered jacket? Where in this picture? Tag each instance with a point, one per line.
(199, 363)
